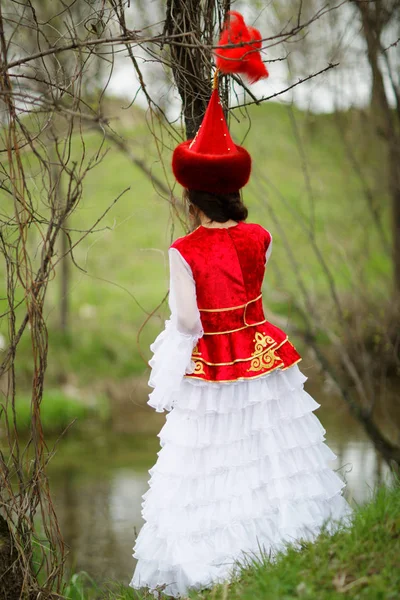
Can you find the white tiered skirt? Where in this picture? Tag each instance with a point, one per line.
(242, 470)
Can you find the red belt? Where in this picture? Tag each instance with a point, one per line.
(233, 318)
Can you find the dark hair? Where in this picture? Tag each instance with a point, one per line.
(219, 207)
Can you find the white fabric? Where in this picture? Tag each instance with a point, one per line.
(172, 349)
(242, 469)
(182, 296)
(269, 250)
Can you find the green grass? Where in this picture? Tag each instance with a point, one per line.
(125, 276)
(58, 410)
(361, 563)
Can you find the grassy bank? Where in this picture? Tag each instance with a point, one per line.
(59, 410)
(361, 563)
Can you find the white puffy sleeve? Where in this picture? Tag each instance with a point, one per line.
(172, 349)
(269, 249)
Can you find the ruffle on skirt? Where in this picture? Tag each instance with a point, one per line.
(242, 470)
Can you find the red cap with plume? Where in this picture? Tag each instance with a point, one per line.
(244, 58)
(211, 162)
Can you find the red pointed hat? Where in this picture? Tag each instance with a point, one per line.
(212, 162)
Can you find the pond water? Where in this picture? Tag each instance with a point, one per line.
(98, 478)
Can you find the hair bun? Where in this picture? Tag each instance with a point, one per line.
(236, 209)
(219, 207)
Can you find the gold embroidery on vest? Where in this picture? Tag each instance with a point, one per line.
(232, 362)
(196, 351)
(264, 353)
(277, 365)
(198, 368)
(262, 341)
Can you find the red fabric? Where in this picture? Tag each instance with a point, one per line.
(213, 136)
(218, 174)
(211, 162)
(233, 319)
(256, 36)
(228, 268)
(244, 59)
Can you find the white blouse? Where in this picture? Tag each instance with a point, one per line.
(173, 347)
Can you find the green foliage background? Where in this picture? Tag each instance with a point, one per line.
(309, 184)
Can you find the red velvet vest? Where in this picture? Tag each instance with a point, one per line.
(228, 266)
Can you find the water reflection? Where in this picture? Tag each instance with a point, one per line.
(98, 520)
(98, 479)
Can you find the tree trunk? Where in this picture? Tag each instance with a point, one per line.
(386, 122)
(192, 65)
(11, 575)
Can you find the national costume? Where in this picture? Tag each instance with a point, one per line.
(243, 467)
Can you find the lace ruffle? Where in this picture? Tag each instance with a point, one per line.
(200, 560)
(242, 468)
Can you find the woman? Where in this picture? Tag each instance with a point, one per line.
(243, 466)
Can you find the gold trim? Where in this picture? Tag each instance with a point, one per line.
(237, 379)
(250, 376)
(211, 364)
(231, 307)
(295, 363)
(215, 80)
(281, 344)
(245, 309)
(234, 330)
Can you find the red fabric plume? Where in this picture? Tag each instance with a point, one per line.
(244, 59)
